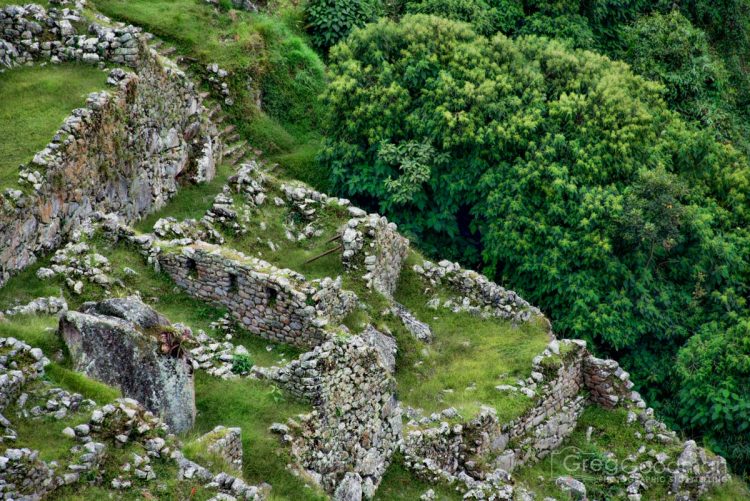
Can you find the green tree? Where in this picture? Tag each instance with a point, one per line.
(486, 17)
(559, 172)
(329, 21)
(714, 370)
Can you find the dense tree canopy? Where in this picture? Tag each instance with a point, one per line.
(562, 173)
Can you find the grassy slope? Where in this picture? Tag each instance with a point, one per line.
(266, 52)
(469, 357)
(33, 103)
(466, 350)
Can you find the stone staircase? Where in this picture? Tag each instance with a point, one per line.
(236, 150)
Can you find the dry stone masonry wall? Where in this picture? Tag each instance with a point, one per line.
(564, 379)
(32, 33)
(355, 426)
(475, 293)
(276, 304)
(371, 243)
(19, 364)
(226, 443)
(124, 153)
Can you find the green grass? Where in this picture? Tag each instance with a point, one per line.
(3, 3)
(34, 101)
(301, 164)
(41, 332)
(469, 355)
(191, 202)
(399, 484)
(612, 441)
(45, 434)
(253, 406)
(267, 50)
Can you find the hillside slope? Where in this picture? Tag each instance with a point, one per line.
(313, 351)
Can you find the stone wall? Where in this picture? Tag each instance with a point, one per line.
(356, 423)
(476, 293)
(373, 244)
(608, 383)
(124, 153)
(225, 443)
(25, 476)
(19, 363)
(276, 304)
(31, 33)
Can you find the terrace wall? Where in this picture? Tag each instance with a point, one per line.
(125, 152)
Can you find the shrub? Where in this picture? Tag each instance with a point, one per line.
(241, 364)
(714, 370)
(668, 48)
(487, 18)
(329, 21)
(559, 172)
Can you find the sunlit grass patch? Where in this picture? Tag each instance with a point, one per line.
(34, 101)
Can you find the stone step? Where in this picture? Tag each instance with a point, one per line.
(157, 44)
(168, 51)
(204, 95)
(233, 138)
(238, 155)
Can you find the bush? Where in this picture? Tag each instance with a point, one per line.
(559, 172)
(486, 17)
(714, 370)
(241, 364)
(572, 28)
(669, 49)
(329, 21)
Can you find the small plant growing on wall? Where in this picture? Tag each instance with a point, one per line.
(175, 343)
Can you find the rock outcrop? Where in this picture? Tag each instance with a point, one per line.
(124, 343)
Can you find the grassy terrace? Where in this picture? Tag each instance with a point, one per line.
(470, 355)
(612, 442)
(33, 103)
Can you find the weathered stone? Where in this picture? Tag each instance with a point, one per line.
(117, 342)
(350, 488)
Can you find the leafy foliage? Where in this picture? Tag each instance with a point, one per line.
(714, 369)
(331, 20)
(241, 364)
(561, 172)
(486, 18)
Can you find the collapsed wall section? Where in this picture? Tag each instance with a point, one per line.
(476, 294)
(124, 153)
(276, 304)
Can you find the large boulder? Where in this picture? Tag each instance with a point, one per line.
(124, 343)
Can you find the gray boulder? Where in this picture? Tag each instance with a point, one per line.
(574, 488)
(384, 345)
(349, 489)
(118, 341)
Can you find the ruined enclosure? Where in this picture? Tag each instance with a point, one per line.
(276, 304)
